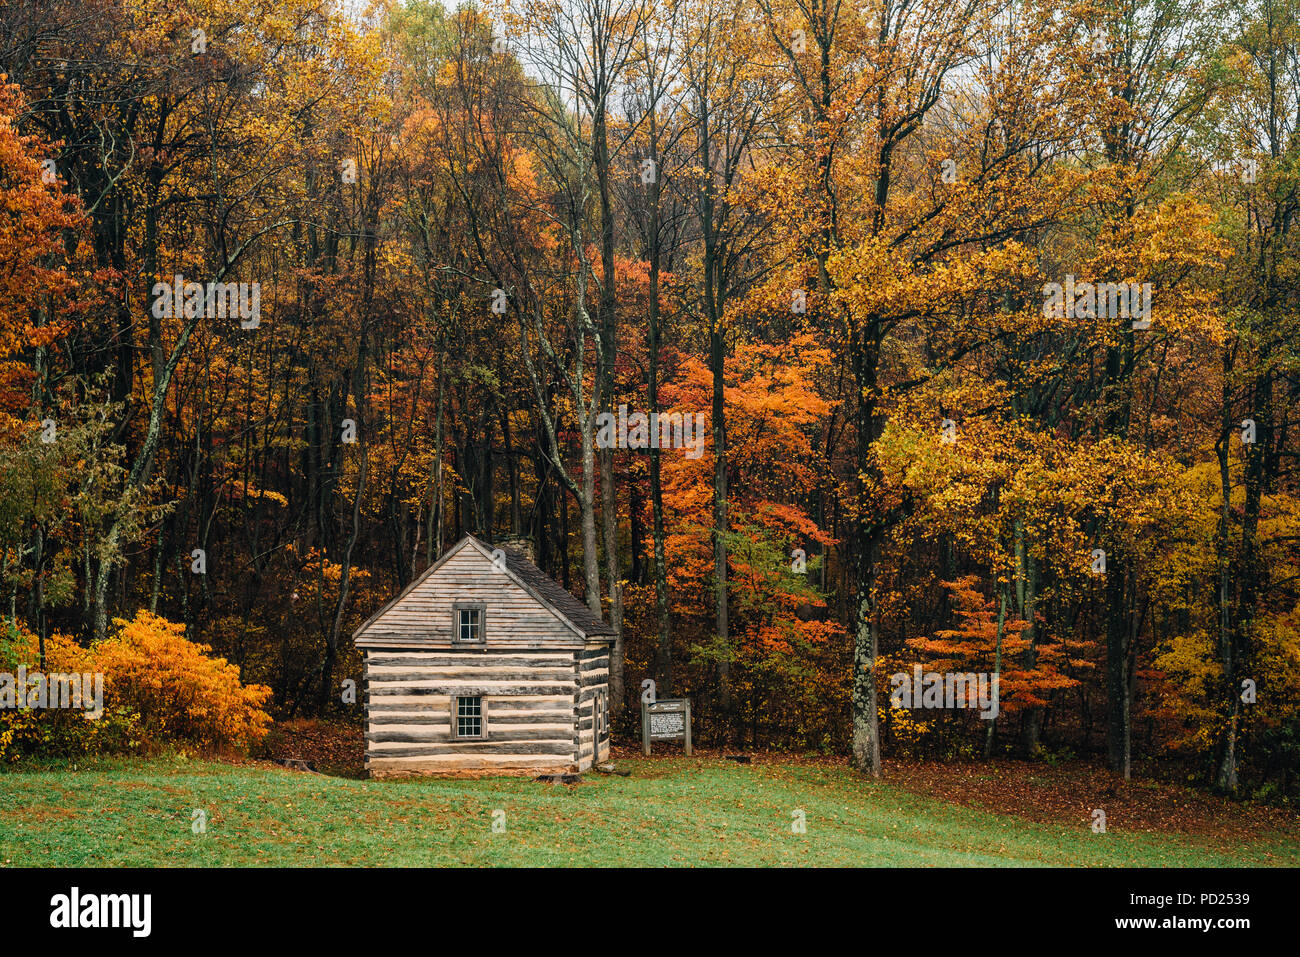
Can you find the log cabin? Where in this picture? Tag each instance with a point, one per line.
(484, 663)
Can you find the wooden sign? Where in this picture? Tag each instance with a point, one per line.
(666, 720)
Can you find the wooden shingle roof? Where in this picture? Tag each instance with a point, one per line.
(547, 590)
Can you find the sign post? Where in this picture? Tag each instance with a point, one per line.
(666, 720)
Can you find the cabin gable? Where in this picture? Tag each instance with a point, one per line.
(426, 613)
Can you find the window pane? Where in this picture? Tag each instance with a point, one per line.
(469, 717)
(469, 624)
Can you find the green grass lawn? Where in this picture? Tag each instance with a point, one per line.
(671, 811)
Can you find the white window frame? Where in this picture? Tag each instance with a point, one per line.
(456, 624)
(456, 716)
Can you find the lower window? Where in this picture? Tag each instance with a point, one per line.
(468, 717)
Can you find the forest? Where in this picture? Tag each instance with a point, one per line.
(809, 343)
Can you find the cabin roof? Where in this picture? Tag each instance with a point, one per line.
(550, 592)
(540, 586)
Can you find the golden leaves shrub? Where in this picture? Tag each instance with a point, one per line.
(56, 732)
(159, 688)
(180, 693)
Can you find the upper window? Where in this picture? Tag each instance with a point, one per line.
(469, 624)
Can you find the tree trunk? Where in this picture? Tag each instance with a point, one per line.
(433, 538)
(1118, 724)
(663, 656)
(1027, 599)
(586, 503)
(614, 573)
(867, 541)
(866, 730)
(720, 526)
(991, 735)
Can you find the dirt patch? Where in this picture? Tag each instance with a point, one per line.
(1069, 793)
(43, 813)
(468, 774)
(331, 747)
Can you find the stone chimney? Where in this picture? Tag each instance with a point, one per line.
(522, 544)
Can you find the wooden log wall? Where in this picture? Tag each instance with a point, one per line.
(592, 746)
(528, 710)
